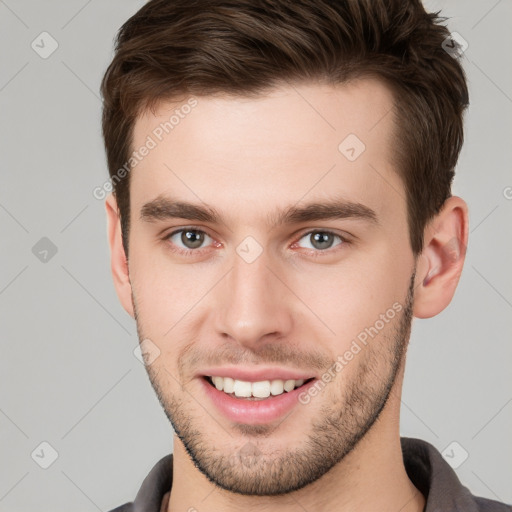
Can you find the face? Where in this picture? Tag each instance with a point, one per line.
(269, 250)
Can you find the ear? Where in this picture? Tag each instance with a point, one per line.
(441, 261)
(118, 260)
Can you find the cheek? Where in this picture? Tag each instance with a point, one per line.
(163, 293)
(351, 296)
(163, 284)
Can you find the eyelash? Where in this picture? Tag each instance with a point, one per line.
(312, 252)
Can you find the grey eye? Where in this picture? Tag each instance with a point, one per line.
(188, 238)
(321, 240)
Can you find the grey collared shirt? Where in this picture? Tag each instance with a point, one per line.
(426, 468)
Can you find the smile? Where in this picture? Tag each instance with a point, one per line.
(255, 390)
(254, 403)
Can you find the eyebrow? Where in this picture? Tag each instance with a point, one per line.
(164, 208)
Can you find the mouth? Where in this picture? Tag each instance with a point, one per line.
(255, 402)
(255, 391)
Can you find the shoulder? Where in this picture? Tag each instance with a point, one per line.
(127, 507)
(432, 475)
(486, 505)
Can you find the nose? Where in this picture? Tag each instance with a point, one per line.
(254, 306)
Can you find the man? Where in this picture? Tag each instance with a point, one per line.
(281, 212)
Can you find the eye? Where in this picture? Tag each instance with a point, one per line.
(321, 240)
(188, 239)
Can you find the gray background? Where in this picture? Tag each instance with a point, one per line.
(69, 375)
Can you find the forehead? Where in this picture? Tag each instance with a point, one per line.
(249, 155)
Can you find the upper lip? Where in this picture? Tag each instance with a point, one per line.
(256, 374)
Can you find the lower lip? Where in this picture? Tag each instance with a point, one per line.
(254, 412)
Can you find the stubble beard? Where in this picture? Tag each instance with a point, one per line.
(343, 421)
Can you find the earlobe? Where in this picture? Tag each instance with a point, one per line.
(442, 259)
(118, 260)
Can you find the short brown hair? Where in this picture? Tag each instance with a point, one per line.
(171, 48)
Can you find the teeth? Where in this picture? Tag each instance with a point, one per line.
(229, 385)
(240, 388)
(289, 385)
(261, 389)
(218, 382)
(277, 387)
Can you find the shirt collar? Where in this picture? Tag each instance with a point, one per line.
(434, 478)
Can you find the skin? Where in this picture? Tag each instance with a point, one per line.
(248, 157)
